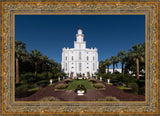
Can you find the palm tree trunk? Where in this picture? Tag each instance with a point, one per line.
(108, 68)
(35, 70)
(113, 68)
(137, 63)
(17, 71)
(122, 67)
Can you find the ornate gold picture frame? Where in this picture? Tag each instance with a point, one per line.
(10, 9)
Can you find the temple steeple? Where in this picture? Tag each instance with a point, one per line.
(79, 35)
(79, 43)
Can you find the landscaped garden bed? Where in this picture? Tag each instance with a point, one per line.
(80, 90)
(49, 99)
(61, 86)
(98, 85)
(73, 85)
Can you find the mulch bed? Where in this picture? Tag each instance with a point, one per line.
(91, 95)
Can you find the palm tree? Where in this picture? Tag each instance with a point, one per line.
(122, 58)
(44, 60)
(20, 52)
(137, 53)
(58, 67)
(51, 64)
(35, 56)
(114, 61)
(102, 67)
(108, 63)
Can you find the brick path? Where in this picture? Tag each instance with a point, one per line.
(90, 95)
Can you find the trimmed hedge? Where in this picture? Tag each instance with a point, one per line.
(98, 85)
(92, 80)
(134, 87)
(27, 78)
(61, 86)
(68, 81)
(21, 91)
(49, 99)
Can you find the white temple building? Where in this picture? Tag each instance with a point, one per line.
(79, 60)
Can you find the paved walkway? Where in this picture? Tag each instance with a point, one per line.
(90, 95)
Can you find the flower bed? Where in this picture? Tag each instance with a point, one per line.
(80, 88)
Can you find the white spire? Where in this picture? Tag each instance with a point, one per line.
(79, 43)
(80, 30)
(79, 35)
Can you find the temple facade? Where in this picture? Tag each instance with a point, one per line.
(79, 61)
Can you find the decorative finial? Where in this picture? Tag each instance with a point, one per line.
(80, 27)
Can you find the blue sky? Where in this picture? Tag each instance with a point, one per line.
(108, 33)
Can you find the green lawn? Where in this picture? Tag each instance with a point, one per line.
(121, 87)
(34, 89)
(73, 85)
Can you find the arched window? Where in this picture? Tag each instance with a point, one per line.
(72, 58)
(93, 57)
(66, 57)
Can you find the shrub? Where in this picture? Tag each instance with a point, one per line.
(119, 79)
(50, 75)
(116, 72)
(61, 86)
(34, 89)
(68, 81)
(132, 79)
(109, 98)
(21, 90)
(98, 85)
(27, 78)
(134, 87)
(49, 99)
(43, 83)
(32, 85)
(42, 76)
(109, 75)
(141, 91)
(55, 80)
(92, 80)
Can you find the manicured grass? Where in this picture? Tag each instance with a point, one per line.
(34, 89)
(121, 87)
(73, 85)
(109, 83)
